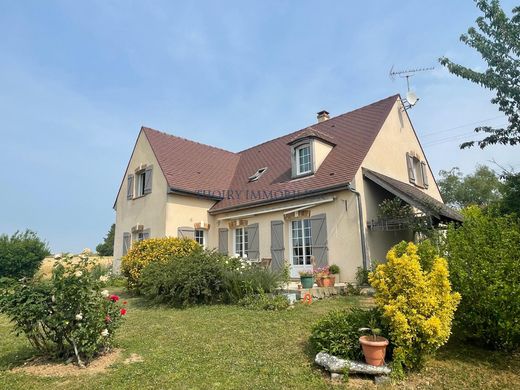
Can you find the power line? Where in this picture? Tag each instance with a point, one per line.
(459, 127)
(453, 137)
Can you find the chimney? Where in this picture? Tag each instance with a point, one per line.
(323, 116)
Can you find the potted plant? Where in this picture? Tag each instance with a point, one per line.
(306, 279)
(324, 278)
(334, 270)
(374, 345)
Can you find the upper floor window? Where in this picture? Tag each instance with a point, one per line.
(140, 184)
(417, 170)
(241, 242)
(303, 159)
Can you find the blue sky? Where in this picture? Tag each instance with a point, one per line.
(78, 79)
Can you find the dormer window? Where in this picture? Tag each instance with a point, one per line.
(303, 159)
(257, 174)
(309, 148)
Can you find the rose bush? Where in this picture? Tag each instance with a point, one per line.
(66, 317)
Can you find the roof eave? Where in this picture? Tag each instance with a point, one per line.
(307, 194)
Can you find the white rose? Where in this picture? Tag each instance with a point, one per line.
(105, 293)
(53, 299)
(104, 332)
(79, 317)
(103, 278)
(78, 274)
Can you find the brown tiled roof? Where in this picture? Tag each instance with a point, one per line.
(414, 196)
(190, 166)
(193, 167)
(353, 134)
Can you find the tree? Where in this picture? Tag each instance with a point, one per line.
(480, 188)
(21, 254)
(510, 202)
(106, 248)
(496, 39)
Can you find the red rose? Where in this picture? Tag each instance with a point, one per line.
(123, 311)
(114, 298)
(108, 319)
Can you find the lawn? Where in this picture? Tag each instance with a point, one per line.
(231, 347)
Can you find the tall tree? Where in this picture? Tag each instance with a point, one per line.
(497, 40)
(510, 202)
(106, 248)
(480, 188)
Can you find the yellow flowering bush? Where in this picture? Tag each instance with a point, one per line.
(154, 250)
(418, 305)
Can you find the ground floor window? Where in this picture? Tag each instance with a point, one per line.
(241, 242)
(301, 242)
(200, 237)
(144, 235)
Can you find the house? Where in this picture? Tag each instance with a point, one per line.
(308, 196)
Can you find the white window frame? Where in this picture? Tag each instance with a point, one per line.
(142, 235)
(297, 153)
(202, 232)
(140, 182)
(305, 227)
(417, 171)
(244, 242)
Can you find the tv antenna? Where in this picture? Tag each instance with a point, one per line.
(411, 98)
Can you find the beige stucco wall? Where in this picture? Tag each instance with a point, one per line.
(321, 150)
(186, 211)
(342, 229)
(148, 210)
(388, 156)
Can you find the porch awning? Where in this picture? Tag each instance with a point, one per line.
(414, 197)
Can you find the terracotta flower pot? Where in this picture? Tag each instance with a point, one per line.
(326, 282)
(374, 350)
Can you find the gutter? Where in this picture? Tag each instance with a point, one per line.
(361, 226)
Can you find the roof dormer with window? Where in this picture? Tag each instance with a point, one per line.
(308, 150)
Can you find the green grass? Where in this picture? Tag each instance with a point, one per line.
(222, 347)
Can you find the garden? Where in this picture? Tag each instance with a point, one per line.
(445, 311)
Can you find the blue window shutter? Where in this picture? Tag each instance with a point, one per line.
(319, 239)
(253, 250)
(130, 187)
(148, 174)
(223, 241)
(277, 246)
(424, 171)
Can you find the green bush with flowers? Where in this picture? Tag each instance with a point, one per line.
(154, 250)
(69, 317)
(418, 305)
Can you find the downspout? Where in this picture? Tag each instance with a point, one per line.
(361, 226)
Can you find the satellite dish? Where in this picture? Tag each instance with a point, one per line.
(412, 98)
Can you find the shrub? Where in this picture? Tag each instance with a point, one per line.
(153, 250)
(483, 255)
(196, 278)
(247, 280)
(418, 305)
(362, 276)
(67, 316)
(264, 301)
(21, 254)
(426, 251)
(338, 332)
(334, 269)
(205, 277)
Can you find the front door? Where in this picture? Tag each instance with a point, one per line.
(301, 246)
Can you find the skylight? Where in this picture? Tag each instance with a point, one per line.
(257, 174)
